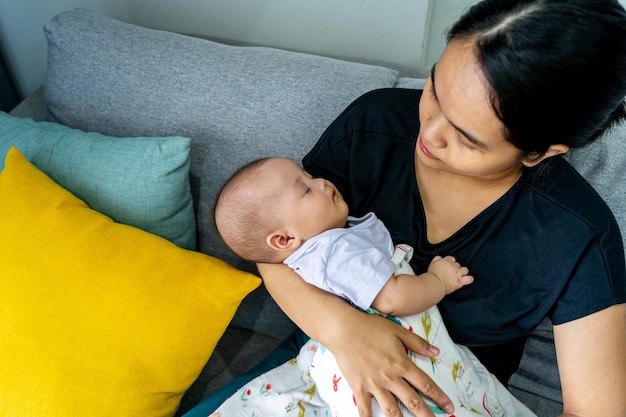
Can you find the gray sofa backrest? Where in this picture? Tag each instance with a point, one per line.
(235, 103)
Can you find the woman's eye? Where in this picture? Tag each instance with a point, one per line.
(431, 90)
(463, 144)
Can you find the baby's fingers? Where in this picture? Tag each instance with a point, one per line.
(467, 279)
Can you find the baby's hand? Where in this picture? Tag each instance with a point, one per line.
(450, 273)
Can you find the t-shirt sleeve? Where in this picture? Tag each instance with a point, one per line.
(345, 266)
(358, 271)
(597, 281)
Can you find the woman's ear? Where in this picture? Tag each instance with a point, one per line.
(554, 150)
(281, 241)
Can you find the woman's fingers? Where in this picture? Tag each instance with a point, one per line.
(422, 382)
(388, 399)
(388, 404)
(381, 369)
(383, 399)
(363, 401)
(416, 405)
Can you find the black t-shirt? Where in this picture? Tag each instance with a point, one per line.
(550, 247)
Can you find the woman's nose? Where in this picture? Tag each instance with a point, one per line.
(435, 131)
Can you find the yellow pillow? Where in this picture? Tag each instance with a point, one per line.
(99, 318)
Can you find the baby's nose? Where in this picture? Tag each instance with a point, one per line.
(322, 183)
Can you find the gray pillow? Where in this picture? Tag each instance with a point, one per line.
(603, 164)
(235, 103)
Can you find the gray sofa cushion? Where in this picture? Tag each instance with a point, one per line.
(603, 164)
(235, 103)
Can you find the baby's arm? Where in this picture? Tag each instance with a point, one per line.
(404, 294)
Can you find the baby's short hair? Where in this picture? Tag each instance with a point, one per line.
(244, 216)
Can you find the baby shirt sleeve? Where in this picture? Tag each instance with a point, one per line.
(358, 271)
(353, 264)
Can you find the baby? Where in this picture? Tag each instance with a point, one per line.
(273, 211)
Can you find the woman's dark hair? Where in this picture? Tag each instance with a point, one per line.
(556, 68)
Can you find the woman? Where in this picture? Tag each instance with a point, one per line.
(474, 169)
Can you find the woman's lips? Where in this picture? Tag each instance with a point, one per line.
(424, 150)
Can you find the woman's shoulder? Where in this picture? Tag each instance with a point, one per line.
(376, 123)
(385, 111)
(382, 96)
(385, 104)
(559, 187)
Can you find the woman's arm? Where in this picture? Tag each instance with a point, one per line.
(369, 349)
(591, 353)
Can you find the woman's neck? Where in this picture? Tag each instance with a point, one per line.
(452, 200)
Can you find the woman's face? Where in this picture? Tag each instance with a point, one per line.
(460, 133)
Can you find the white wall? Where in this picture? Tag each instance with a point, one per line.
(406, 34)
(441, 15)
(389, 31)
(22, 42)
(385, 31)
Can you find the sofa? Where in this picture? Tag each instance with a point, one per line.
(136, 130)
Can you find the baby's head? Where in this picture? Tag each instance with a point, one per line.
(269, 207)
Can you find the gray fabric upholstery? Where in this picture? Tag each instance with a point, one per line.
(235, 103)
(603, 164)
(538, 375)
(33, 106)
(541, 406)
(405, 82)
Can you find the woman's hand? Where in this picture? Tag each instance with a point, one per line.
(375, 364)
(370, 350)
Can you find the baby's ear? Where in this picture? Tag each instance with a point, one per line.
(281, 241)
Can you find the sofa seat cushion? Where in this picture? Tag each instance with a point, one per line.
(99, 318)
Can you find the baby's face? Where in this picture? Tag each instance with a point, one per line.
(309, 205)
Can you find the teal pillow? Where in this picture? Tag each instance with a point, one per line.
(139, 181)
